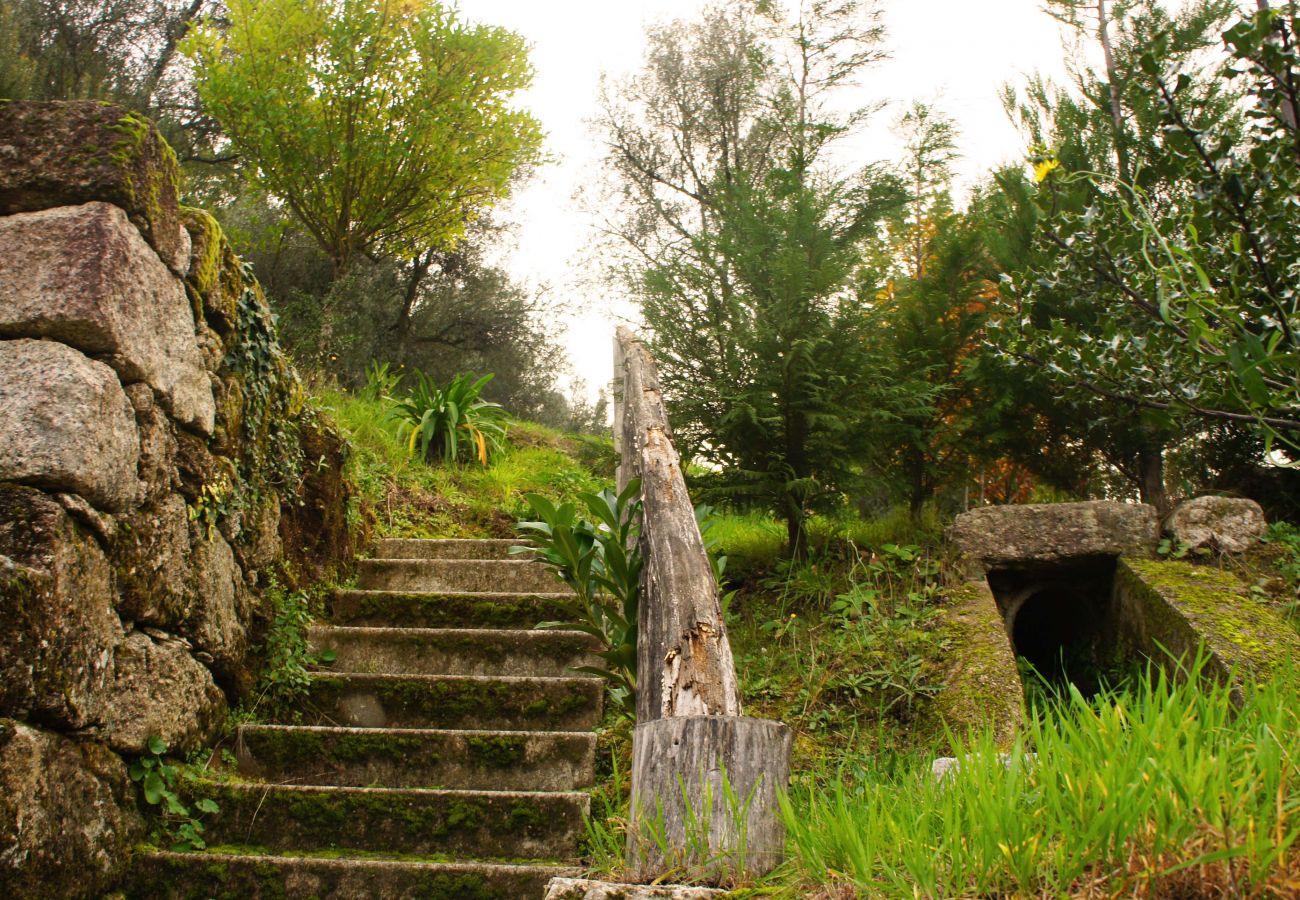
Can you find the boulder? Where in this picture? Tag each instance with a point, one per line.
(1010, 537)
(151, 556)
(57, 624)
(66, 425)
(63, 154)
(214, 272)
(157, 467)
(222, 609)
(1227, 524)
(68, 814)
(159, 689)
(84, 276)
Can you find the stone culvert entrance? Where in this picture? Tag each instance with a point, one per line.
(1063, 619)
(1051, 569)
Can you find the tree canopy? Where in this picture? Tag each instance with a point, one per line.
(384, 125)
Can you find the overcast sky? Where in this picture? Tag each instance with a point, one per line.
(954, 53)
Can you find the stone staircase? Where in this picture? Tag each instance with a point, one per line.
(444, 752)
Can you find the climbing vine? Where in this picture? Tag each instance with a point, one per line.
(273, 395)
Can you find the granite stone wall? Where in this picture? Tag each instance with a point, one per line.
(152, 441)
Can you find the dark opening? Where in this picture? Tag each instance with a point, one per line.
(1062, 619)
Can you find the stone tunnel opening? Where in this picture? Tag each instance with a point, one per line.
(1063, 619)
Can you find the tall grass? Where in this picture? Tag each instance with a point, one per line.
(1165, 790)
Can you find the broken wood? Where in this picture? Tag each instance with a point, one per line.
(704, 778)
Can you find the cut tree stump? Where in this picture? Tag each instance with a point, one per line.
(704, 796)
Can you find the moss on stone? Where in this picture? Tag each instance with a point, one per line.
(1182, 606)
(498, 751)
(422, 610)
(981, 683)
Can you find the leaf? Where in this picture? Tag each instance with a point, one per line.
(328, 656)
(156, 745)
(153, 788)
(207, 805)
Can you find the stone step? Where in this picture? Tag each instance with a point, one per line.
(429, 758)
(462, 548)
(414, 821)
(455, 701)
(455, 575)
(454, 651)
(251, 876)
(411, 609)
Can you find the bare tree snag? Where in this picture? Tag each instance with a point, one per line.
(695, 758)
(684, 663)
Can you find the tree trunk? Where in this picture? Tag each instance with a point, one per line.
(699, 793)
(1112, 80)
(1151, 476)
(795, 536)
(684, 662)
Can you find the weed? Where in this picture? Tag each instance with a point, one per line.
(158, 781)
(598, 557)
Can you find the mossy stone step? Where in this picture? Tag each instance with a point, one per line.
(454, 548)
(456, 575)
(455, 701)
(479, 824)
(454, 651)
(160, 875)
(414, 609)
(479, 760)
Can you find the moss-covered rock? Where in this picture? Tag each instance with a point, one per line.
(1175, 607)
(67, 814)
(981, 684)
(68, 153)
(214, 271)
(57, 623)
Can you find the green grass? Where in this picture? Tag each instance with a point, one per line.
(408, 497)
(1161, 791)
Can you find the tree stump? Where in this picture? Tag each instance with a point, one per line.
(704, 797)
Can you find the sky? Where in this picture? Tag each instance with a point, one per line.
(956, 54)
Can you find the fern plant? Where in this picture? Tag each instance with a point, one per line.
(451, 423)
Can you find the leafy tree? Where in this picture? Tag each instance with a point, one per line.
(744, 243)
(1086, 288)
(384, 125)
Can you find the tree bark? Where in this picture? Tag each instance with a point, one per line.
(1112, 83)
(684, 662)
(692, 777)
(1151, 477)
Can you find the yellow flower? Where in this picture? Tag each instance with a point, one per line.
(1044, 168)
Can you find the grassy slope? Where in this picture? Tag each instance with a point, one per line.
(1155, 790)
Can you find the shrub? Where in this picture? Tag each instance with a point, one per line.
(452, 422)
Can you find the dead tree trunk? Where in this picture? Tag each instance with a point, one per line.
(704, 778)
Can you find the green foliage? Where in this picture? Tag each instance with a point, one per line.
(380, 384)
(159, 781)
(451, 423)
(844, 651)
(1163, 790)
(597, 555)
(286, 672)
(383, 125)
(1156, 296)
(743, 256)
(271, 455)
